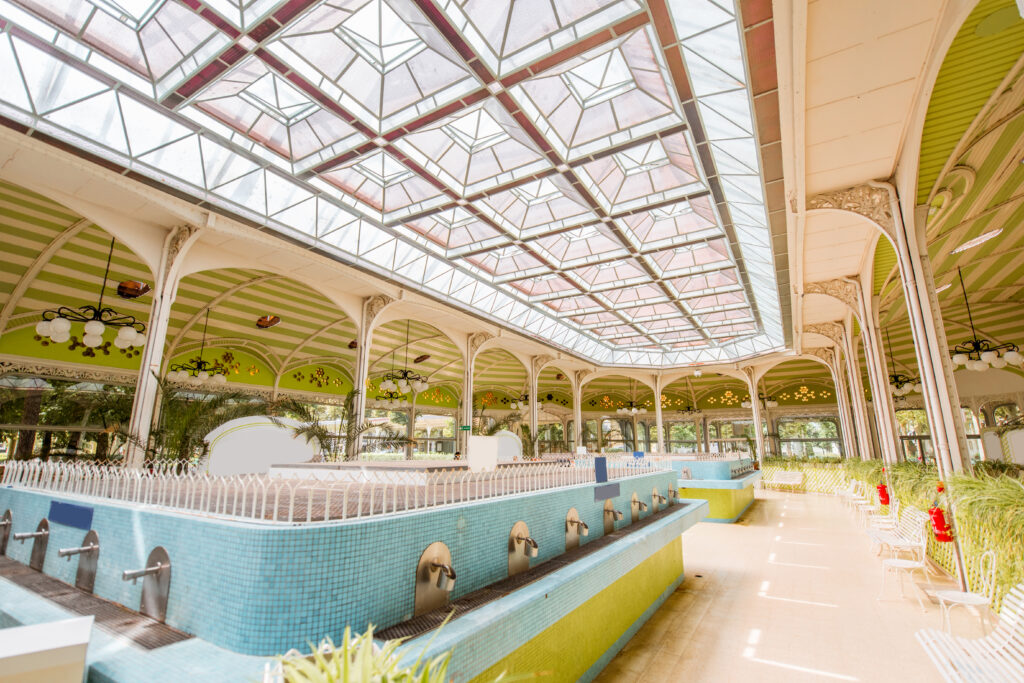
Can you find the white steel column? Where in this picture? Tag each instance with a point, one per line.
(942, 401)
(658, 421)
(755, 409)
(843, 402)
(465, 406)
(885, 414)
(856, 386)
(372, 306)
(533, 403)
(165, 288)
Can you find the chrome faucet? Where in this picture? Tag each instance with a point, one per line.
(660, 498)
(642, 505)
(31, 534)
(134, 575)
(531, 548)
(445, 577)
(616, 515)
(581, 527)
(68, 552)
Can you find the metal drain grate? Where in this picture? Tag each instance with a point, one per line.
(111, 617)
(428, 622)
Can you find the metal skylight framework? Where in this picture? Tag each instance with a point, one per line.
(547, 167)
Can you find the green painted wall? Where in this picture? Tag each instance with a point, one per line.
(565, 650)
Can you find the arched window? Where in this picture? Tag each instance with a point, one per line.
(914, 436)
(683, 437)
(809, 437)
(435, 435)
(1007, 412)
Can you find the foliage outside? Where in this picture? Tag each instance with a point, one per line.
(342, 444)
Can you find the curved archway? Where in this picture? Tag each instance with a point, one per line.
(308, 350)
(555, 411)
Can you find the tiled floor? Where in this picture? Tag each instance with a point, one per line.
(788, 594)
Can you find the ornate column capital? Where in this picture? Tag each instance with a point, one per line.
(476, 340)
(830, 330)
(372, 306)
(869, 201)
(538, 363)
(837, 289)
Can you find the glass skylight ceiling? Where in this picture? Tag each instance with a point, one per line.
(531, 163)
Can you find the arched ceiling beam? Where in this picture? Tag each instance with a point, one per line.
(288, 359)
(376, 361)
(40, 261)
(172, 348)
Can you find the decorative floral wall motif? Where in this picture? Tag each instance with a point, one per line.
(728, 398)
(74, 343)
(319, 378)
(805, 394)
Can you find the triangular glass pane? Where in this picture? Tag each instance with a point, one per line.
(148, 129)
(179, 159)
(14, 90)
(51, 83)
(97, 118)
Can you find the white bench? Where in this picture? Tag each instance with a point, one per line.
(790, 479)
(998, 656)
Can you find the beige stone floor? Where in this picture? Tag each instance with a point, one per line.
(788, 594)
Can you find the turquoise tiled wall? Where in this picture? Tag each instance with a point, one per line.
(710, 469)
(262, 589)
(492, 632)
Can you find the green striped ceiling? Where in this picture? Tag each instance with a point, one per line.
(987, 45)
(389, 349)
(981, 192)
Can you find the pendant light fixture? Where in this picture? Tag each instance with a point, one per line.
(521, 403)
(631, 407)
(900, 384)
(401, 381)
(980, 354)
(56, 323)
(198, 370)
(766, 401)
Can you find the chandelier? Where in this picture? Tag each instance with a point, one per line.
(980, 354)
(56, 323)
(197, 370)
(520, 403)
(899, 384)
(766, 401)
(631, 407)
(399, 382)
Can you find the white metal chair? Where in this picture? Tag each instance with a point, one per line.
(888, 521)
(916, 546)
(997, 657)
(950, 599)
(905, 536)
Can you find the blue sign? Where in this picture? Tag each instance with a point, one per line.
(638, 454)
(78, 516)
(600, 469)
(605, 492)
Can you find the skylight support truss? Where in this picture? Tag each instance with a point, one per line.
(452, 184)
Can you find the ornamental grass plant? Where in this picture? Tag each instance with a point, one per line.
(358, 659)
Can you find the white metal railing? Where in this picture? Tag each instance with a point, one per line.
(272, 499)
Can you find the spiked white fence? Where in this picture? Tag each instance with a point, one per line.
(269, 499)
